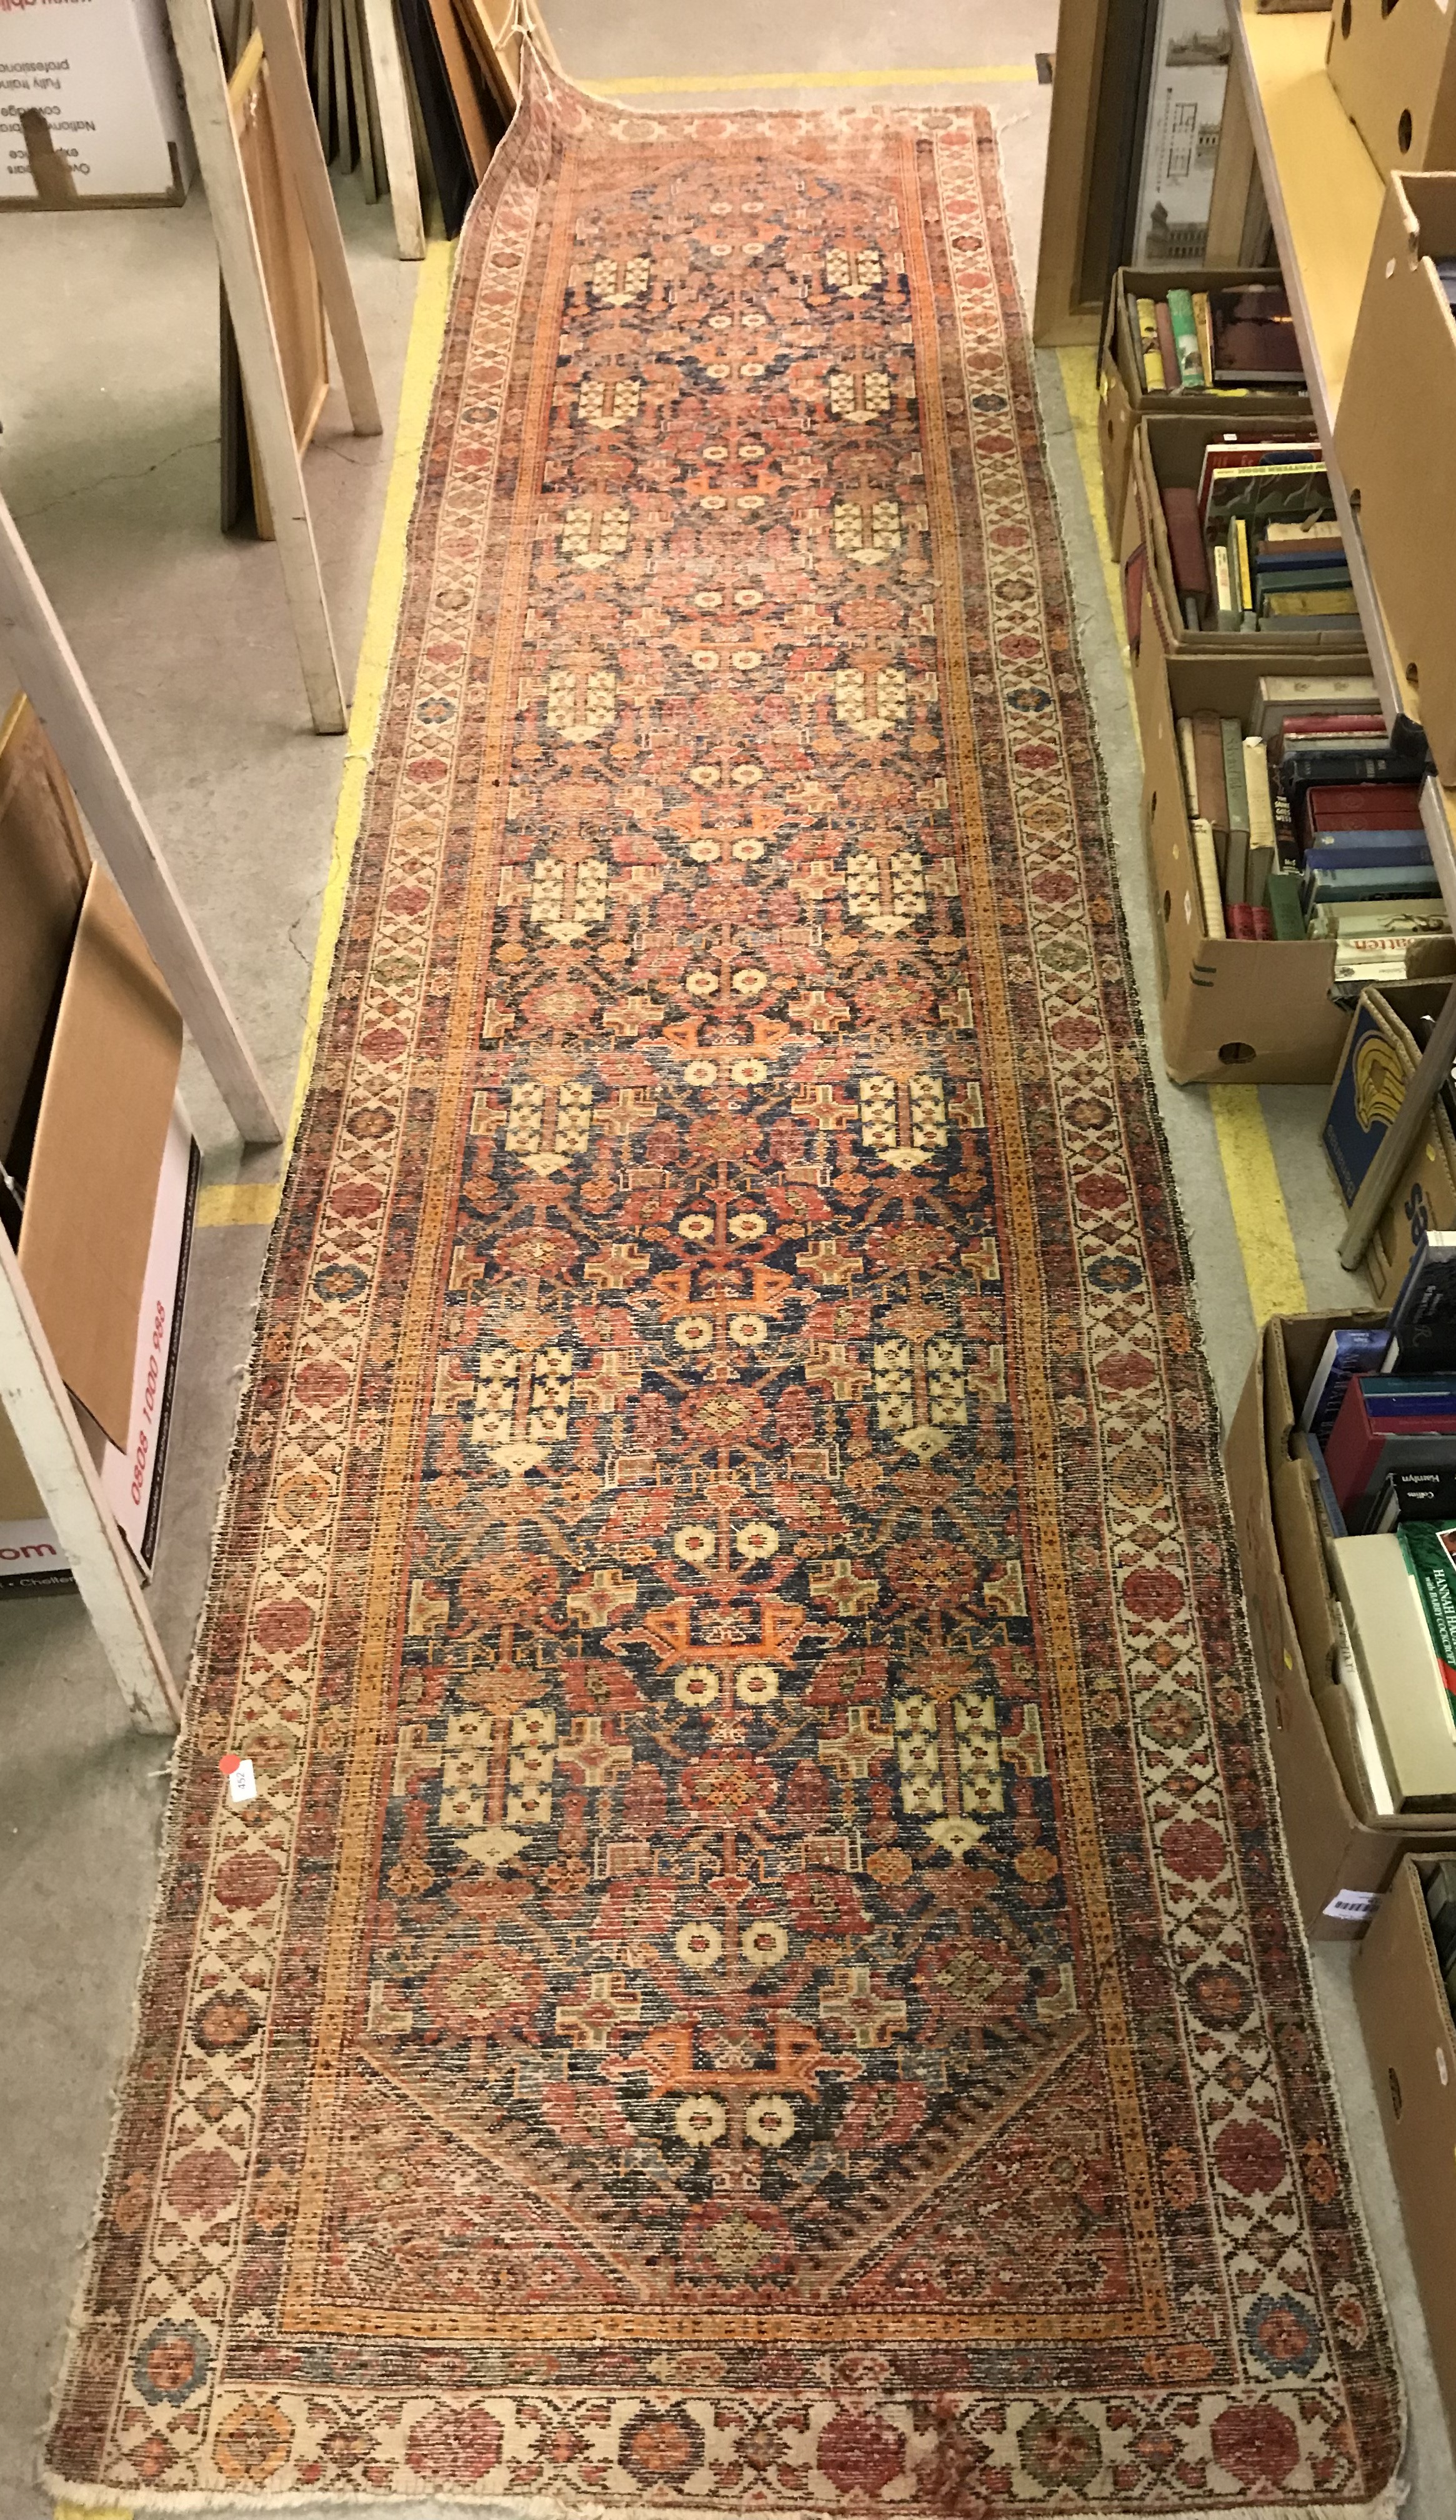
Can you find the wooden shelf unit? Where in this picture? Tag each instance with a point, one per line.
(1324, 194)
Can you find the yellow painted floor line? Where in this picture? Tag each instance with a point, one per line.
(256, 1203)
(1266, 1242)
(728, 83)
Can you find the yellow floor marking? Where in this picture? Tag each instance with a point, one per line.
(1266, 1242)
(723, 82)
(256, 1203)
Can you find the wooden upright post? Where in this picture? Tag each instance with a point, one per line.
(199, 59)
(382, 36)
(47, 673)
(38, 1406)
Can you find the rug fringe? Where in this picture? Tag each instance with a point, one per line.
(544, 2506)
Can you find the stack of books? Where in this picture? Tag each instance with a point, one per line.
(1218, 340)
(1256, 547)
(1307, 823)
(1379, 1421)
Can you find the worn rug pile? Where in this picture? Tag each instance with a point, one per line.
(759, 1976)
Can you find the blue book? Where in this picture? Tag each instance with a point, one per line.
(1358, 1350)
(1368, 849)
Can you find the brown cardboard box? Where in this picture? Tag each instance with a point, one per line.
(1404, 479)
(1408, 2032)
(1424, 1199)
(1169, 452)
(90, 1047)
(1233, 1009)
(1122, 400)
(1394, 72)
(1342, 1852)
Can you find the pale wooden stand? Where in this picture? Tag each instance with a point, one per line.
(34, 1397)
(204, 79)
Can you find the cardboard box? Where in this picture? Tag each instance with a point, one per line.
(1169, 452)
(1121, 397)
(1233, 1009)
(91, 112)
(90, 1047)
(1342, 1852)
(1372, 1078)
(31, 1557)
(1394, 72)
(1404, 477)
(1406, 2020)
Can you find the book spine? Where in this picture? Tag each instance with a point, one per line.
(1284, 905)
(1431, 1570)
(1168, 348)
(1207, 865)
(1229, 619)
(1147, 346)
(1203, 325)
(1185, 340)
(1188, 760)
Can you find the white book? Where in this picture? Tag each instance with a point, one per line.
(1397, 1664)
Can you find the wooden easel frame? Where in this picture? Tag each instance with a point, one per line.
(33, 1394)
(206, 83)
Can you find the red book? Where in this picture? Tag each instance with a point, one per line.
(1239, 920)
(1190, 561)
(1317, 726)
(1263, 923)
(1397, 798)
(1352, 1453)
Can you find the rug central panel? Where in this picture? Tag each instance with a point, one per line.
(720, 1921)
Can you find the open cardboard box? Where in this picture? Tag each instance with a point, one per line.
(1166, 454)
(1424, 1199)
(1122, 400)
(1234, 1009)
(1343, 1854)
(1394, 72)
(1411, 2043)
(1404, 477)
(90, 1047)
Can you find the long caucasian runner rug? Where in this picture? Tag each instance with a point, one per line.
(759, 1976)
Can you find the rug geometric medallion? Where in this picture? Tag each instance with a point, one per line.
(759, 1975)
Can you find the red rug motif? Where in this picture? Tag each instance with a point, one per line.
(759, 1976)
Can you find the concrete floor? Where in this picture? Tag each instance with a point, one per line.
(108, 458)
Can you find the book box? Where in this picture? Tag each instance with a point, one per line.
(1232, 1009)
(1394, 72)
(1123, 399)
(1411, 2042)
(1343, 1854)
(1403, 478)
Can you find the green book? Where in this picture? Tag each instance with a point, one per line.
(1235, 782)
(1425, 1547)
(1284, 904)
(1186, 338)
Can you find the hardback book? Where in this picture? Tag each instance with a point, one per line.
(1427, 1549)
(1282, 605)
(1186, 340)
(1235, 785)
(1358, 1439)
(1185, 544)
(1204, 326)
(1146, 322)
(1349, 1678)
(1328, 1502)
(1381, 919)
(1230, 614)
(1359, 1349)
(1168, 348)
(1188, 762)
(1387, 804)
(1286, 910)
(1249, 920)
(1370, 884)
(1422, 1322)
(1212, 786)
(1210, 889)
(1240, 574)
(1263, 846)
(1398, 1662)
(1368, 849)
(1281, 696)
(1414, 1496)
(1253, 337)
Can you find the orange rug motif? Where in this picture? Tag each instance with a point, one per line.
(759, 1975)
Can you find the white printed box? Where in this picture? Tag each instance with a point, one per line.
(103, 76)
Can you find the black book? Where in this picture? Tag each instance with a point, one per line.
(1414, 1496)
(1423, 1318)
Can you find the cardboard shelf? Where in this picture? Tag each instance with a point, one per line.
(1325, 195)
